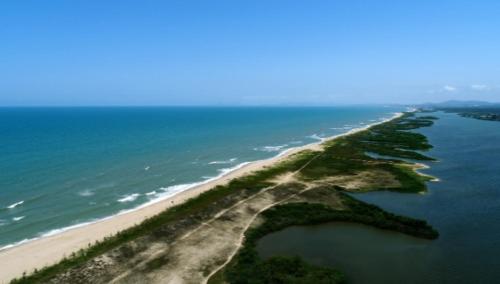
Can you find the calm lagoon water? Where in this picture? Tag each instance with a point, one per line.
(464, 207)
(61, 167)
(364, 253)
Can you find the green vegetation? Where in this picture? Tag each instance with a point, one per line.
(392, 139)
(247, 264)
(369, 214)
(481, 113)
(293, 270)
(343, 156)
(429, 117)
(282, 216)
(348, 155)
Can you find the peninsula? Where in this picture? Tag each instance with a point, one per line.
(208, 234)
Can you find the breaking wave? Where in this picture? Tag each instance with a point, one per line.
(129, 198)
(271, 148)
(12, 206)
(230, 161)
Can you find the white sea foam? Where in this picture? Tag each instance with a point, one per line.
(19, 218)
(64, 229)
(129, 198)
(169, 191)
(55, 232)
(3, 222)
(230, 161)
(147, 168)
(271, 148)
(12, 206)
(17, 243)
(151, 193)
(173, 189)
(226, 171)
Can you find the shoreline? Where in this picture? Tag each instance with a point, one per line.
(50, 249)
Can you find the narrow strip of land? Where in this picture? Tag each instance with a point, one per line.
(196, 234)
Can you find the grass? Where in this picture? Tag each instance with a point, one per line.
(292, 270)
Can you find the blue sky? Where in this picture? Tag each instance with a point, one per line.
(247, 52)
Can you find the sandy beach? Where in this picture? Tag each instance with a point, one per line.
(51, 249)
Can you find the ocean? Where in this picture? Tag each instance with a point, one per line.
(62, 168)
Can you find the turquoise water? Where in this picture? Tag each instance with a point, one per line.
(464, 207)
(62, 167)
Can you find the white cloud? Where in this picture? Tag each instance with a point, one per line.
(449, 88)
(479, 87)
